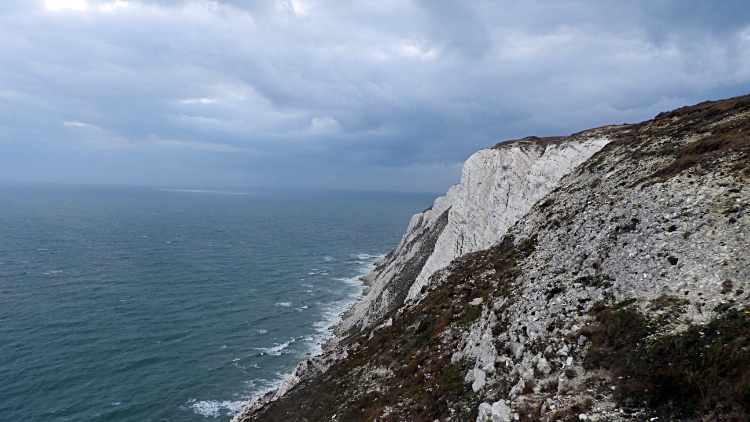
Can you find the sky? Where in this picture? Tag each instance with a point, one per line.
(347, 94)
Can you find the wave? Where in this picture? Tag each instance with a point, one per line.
(331, 315)
(367, 256)
(213, 408)
(332, 311)
(276, 350)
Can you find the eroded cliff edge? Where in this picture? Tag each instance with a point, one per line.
(616, 288)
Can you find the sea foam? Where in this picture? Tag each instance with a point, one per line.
(276, 350)
(213, 408)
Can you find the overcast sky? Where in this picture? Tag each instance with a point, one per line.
(368, 94)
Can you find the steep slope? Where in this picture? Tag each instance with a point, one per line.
(498, 186)
(623, 294)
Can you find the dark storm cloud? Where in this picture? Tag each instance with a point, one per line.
(357, 94)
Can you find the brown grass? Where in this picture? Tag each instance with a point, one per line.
(661, 137)
(528, 387)
(701, 373)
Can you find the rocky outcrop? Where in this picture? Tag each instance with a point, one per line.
(621, 293)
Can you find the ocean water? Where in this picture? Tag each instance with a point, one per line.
(141, 304)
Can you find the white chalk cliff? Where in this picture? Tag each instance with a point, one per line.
(499, 185)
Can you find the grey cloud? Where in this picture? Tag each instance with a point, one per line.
(272, 92)
(456, 24)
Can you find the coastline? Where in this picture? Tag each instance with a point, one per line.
(445, 231)
(319, 347)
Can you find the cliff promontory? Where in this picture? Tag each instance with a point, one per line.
(602, 276)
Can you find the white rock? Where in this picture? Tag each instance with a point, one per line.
(543, 366)
(497, 412)
(500, 412)
(516, 349)
(480, 379)
(485, 412)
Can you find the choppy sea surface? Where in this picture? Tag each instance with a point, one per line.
(144, 304)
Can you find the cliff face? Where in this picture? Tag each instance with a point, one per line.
(602, 276)
(498, 186)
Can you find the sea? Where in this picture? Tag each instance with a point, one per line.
(150, 304)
